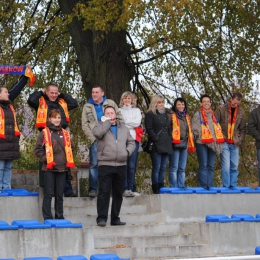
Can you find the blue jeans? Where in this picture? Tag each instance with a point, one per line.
(229, 164)
(159, 161)
(206, 158)
(5, 174)
(93, 168)
(178, 161)
(131, 168)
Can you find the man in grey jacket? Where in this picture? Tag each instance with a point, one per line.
(253, 128)
(115, 144)
(93, 110)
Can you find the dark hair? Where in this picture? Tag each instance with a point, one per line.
(237, 95)
(182, 100)
(52, 84)
(98, 86)
(109, 107)
(53, 113)
(205, 96)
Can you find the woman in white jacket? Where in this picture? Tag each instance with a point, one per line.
(132, 118)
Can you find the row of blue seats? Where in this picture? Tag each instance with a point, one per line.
(212, 190)
(76, 257)
(35, 224)
(234, 218)
(17, 192)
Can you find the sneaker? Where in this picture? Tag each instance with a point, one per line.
(126, 193)
(136, 193)
(92, 194)
(131, 194)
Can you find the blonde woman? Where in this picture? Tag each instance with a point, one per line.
(158, 128)
(132, 118)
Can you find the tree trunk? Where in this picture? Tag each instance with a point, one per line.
(102, 63)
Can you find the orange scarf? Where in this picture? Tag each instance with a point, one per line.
(49, 150)
(231, 125)
(42, 111)
(2, 123)
(176, 132)
(205, 130)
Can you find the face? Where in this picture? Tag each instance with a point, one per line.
(52, 93)
(235, 102)
(110, 112)
(55, 120)
(206, 103)
(180, 106)
(127, 100)
(160, 104)
(4, 95)
(97, 95)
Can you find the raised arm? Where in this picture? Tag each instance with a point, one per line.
(71, 102)
(16, 89)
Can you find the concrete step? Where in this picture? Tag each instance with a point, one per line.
(92, 210)
(159, 252)
(90, 220)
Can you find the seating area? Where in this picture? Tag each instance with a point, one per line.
(234, 218)
(35, 224)
(213, 190)
(75, 257)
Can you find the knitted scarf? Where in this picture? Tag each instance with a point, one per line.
(231, 124)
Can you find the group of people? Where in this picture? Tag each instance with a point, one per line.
(115, 133)
(173, 134)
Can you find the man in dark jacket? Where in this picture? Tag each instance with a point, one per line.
(43, 102)
(253, 128)
(115, 144)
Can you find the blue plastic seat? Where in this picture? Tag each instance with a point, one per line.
(72, 257)
(38, 258)
(5, 226)
(181, 191)
(20, 192)
(221, 218)
(225, 190)
(243, 189)
(104, 257)
(30, 224)
(167, 190)
(245, 217)
(62, 223)
(195, 189)
(7, 259)
(3, 194)
(257, 250)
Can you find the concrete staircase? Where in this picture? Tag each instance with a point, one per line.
(158, 227)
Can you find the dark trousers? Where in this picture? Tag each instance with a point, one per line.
(110, 176)
(53, 185)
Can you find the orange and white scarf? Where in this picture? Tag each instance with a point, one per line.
(176, 132)
(42, 111)
(205, 129)
(231, 124)
(49, 150)
(2, 123)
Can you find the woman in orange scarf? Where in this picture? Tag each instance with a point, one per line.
(208, 141)
(181, 133)
(53, 149)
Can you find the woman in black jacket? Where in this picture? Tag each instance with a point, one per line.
(158, 128)
(9, 132)
(53, 149)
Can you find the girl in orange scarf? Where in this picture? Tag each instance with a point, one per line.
(53, 149)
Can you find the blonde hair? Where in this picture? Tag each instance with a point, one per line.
(154, 102)
(127, 94)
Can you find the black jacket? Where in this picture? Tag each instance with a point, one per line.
(57, 146)
(253, 126)
(158, 128)
(72, 103)
(9, 147)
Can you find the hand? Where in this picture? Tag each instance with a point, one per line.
(44, 90)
